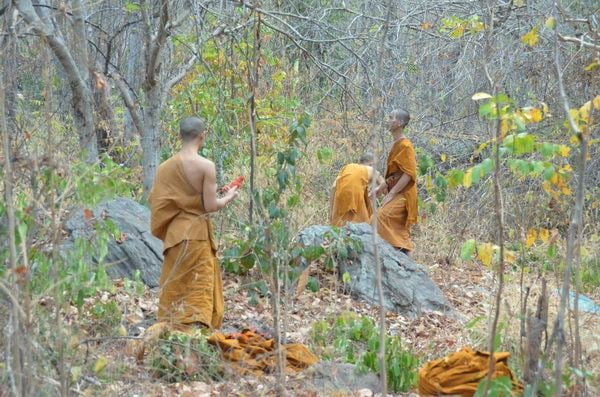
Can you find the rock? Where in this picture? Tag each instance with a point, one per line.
(135, 249)
(407, 288)
(329, 377)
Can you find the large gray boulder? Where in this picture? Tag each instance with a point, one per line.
(135, 248)
(332, 378)
(407, 288)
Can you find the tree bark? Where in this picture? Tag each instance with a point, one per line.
(82, 101)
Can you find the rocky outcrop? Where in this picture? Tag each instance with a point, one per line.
(407, 288)
(133, 247)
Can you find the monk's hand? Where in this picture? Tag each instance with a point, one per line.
(231, 194)
(381, 189)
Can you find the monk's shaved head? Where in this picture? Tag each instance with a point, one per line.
(367, 158)
(401, 116)
(191, 127)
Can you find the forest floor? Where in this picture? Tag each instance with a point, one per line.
(468, 287)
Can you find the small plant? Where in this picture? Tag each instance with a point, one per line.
(355, 340)
(181, 357)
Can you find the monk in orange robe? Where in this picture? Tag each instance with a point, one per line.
(399, 207)
(350, 198)
(184, 192)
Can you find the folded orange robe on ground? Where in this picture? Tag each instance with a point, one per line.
(395, 218)
(460, 373)
(251, 352)
(190, 283)
(351, 202)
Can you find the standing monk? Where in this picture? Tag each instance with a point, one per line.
(350, 199)
(184, 192)
(399, 207)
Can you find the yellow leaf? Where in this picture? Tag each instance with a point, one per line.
(566, 191)
(101, 363)
(596, 102)
(532, 114)
(574, 140)
(531, 38)
(584, 111)
(485, 252)
(564, 150)
(480, 95)
(428, 184)
(592, 65)
(531, 237)
(425, 25)
(519, 3)
(504, 127)
(536, 115)
(468, 178)
(550, 22)
(122, 330)
(458, 32)
(544, 234)
(567, 168)
(443, 157)
(510, 256)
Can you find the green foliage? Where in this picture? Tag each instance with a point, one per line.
(107, 315)
(356, 340)
(181, 357)
(499, 387)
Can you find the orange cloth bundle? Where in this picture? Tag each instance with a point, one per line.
(351, 202)
(460, 373)
(251, 352)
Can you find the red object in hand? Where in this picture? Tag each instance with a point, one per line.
(237, 182)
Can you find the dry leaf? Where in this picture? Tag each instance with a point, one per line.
(302, 281)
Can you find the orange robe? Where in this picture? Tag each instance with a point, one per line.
(190, 283)
(395, 218)
(460, 373)
(351, 202)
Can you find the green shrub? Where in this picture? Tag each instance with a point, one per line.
(181, 357)
(356, 340)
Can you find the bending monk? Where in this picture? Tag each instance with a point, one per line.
(399, 207)
(350, 198)
(184, 192)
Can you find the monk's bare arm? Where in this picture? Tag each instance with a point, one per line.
(213, 203)
(401, 184)
(398, 187)
(381, 185)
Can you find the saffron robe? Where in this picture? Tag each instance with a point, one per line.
(351, 202)
(190, 283)
(459, 373)
(395, 218)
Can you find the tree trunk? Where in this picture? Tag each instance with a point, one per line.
(82, 101)
(151, 138)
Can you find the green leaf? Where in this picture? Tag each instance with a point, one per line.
(455, 178)
(487, 166)
(475, 174)
(485, 109)
(132, 7)
(346, 278)
(524, 143)
(313, 284)
(325, 155)
(467, 250)
(313, 252)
